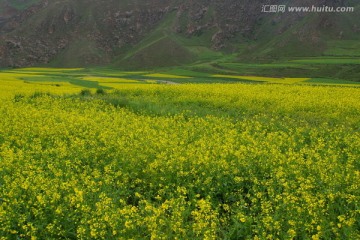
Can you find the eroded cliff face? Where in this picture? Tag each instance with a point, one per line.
(6, 13)
(96, 32)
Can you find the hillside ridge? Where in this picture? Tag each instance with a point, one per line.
(133, 34)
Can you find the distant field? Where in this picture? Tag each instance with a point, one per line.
(265, 79)
(64, 80)
(346, 67)
(328, 61)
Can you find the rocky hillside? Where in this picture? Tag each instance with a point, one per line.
(149, 33)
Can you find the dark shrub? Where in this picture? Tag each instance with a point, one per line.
(85, 92)
(100, 91)
(18, 97)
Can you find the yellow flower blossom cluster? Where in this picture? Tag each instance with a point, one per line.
(215, 161)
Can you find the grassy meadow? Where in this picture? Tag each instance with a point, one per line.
(105, 154)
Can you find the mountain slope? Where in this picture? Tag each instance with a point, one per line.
(143, 33)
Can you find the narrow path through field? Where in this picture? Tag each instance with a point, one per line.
(161, 81)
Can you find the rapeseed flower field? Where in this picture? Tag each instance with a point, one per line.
(265, 79)
(220, 161)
